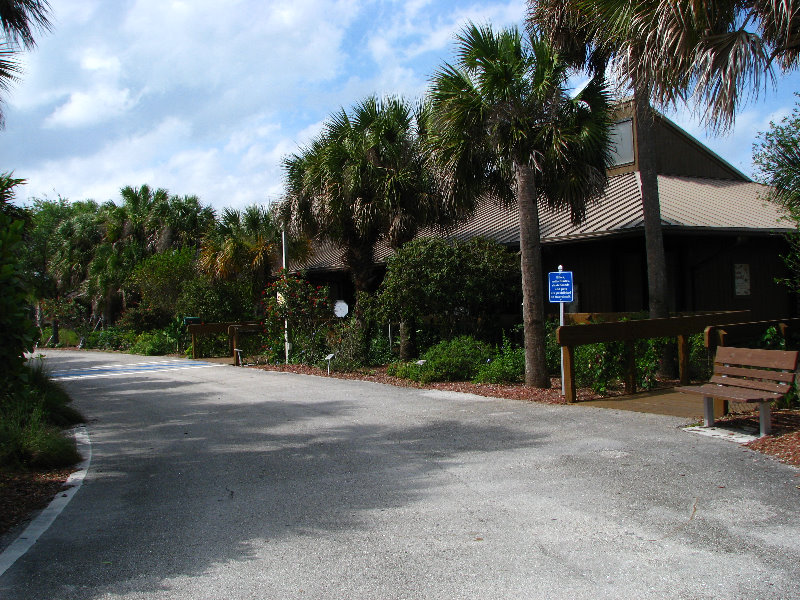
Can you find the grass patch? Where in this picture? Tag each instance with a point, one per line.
(31, 423)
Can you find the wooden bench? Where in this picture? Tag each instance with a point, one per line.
(747, 375)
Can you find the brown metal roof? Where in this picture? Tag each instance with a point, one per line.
(686, 202)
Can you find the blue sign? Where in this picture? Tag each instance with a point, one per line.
(560, 286)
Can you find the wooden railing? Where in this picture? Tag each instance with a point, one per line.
(570, 336)
(734, 334)
(231, 329)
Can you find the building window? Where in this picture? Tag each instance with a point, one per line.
(622, 143)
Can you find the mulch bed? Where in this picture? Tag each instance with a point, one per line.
(23, 493)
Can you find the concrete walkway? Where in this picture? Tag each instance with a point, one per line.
(657, 402)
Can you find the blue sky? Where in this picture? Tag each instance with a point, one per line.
(206, 97)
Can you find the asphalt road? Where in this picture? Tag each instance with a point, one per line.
(230, 483)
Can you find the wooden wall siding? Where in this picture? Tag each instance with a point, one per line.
(709, 281)
(678, 154)
(700, 274)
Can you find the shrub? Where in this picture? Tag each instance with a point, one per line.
(405, 370)
(310, 317)
(508, 366)
(455, 360)
(215, 301)
(452, 287)
(111, 338)
(17, 328)
(154, 343)
(599, 365)
(648, 360)
(29, 421)
(348, 343)
(66, 337)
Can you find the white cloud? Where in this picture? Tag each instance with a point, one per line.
(90, 108)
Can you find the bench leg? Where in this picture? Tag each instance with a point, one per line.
(764, 418)
(708, 411)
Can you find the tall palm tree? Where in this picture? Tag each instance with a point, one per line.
(19, 19)
(504, 127)
(590, 35)
(363, 180)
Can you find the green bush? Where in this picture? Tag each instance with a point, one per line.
(454, 360)
(310, 317)
(154, 343)
(700, 366)
(348, 341)
(405, 370)
(66, 337)
(552, 349)
(111, 338)
(508, 366)
(30, 421)
(599, 366)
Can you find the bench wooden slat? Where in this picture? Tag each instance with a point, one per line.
(725, 392)
(771, 359)
(784, 376)
(753, 384)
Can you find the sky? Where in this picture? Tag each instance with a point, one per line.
(206, 97)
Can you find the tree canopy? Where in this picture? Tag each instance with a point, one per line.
(504, 127)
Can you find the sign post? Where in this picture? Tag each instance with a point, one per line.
(560, 289)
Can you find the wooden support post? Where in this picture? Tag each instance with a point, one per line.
(194, 345)
(630, 367)
(683, 358)
(569, 374)
(235, 345)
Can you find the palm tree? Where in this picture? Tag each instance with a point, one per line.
(363, 180)
(504, 127)
(242, 245)
(148, 221)
(590, 35)
(713, 53)
(19, 19)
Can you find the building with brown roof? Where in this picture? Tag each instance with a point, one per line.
(723, 238)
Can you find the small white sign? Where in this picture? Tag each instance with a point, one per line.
(741, 275)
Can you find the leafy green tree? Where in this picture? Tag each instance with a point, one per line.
(448, 282)
(504, 127)
(14, 322)
(776, 155)
(363, 180)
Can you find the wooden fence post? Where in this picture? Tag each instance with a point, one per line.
(569, 374)
(630, 367)
(683, 358)
(235, 345)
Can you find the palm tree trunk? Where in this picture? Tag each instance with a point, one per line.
(530, 246)
(651, 208)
